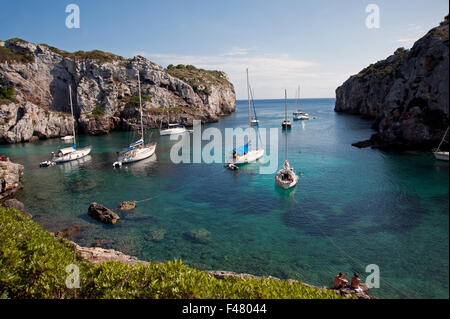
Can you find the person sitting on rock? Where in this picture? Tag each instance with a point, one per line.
(356, 282)
(340, 281)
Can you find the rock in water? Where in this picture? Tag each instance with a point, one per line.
(102, 214)
(127, 205)
(69, 231)
(406, 94)
(200, 236)
(15, 204)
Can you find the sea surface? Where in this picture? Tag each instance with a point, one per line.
(352, 207)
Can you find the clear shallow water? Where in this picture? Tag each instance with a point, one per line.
(384, 208)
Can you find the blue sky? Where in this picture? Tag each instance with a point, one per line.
(315, 44)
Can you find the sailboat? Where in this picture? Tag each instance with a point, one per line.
(244, 154)
(173, 128)
(254, 121)
(438, 154)
(136, 151)
(286, 122)
(70, 153)
(299, 114)
(286, 177)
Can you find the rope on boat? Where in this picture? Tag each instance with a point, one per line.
(343, 252)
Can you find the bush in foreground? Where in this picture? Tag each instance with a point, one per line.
(33, 263)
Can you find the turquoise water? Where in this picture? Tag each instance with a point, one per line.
(351, 208)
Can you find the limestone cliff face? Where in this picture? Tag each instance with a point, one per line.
(407, 94)
(104, 90)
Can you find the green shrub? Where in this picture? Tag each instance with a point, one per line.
(7, 92)
(98, 111)
(198, 77)
(33, 263)
(32, 260)
(7, 95)
(15, 55)
(131, 101)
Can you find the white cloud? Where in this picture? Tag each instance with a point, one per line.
(270, 74)
(411, 34)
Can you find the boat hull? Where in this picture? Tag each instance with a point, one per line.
(173, 131)
(250, 157)
(75, 155)
(441, 156)
(286, 184)
(137, 154)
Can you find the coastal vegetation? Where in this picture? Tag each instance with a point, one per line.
(16, 55)
(6, 94)
(133, 101)
(34, 261)
(199, 79)
(97, 55)
(97, 112)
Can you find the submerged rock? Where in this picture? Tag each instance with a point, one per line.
(69, 231)
(103, 214)
(200, 236)
(156, 235)
(127, 205)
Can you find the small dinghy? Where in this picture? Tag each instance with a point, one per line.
(232, 167)
(46, 164)
(67, 138)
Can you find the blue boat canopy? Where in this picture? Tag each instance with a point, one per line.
(241, 150)
(138, 142)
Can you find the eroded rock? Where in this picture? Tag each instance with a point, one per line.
(103, 214)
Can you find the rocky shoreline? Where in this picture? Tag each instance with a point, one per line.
(34, 96)
(407, 94)
(13, 172)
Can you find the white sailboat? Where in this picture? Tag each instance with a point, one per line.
(286, 177)
(71, 153)
(174, 128)
(299, 114)
(438, 154)
(137, 150)
(286, 124)
(245, 154)
(254, 121)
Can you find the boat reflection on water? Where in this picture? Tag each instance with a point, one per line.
(75, 164)
(285, 193)
(140, 168)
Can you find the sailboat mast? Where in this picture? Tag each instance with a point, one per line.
(442, 141)
(73, 119)
(285, 110)
(140, 106)
(248, 94)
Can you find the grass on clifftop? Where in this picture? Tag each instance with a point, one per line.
(97, 55)
(33, 264)
(15, 56)
(199, 79)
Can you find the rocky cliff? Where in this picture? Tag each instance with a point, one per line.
(34, 96)
(407, 94)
